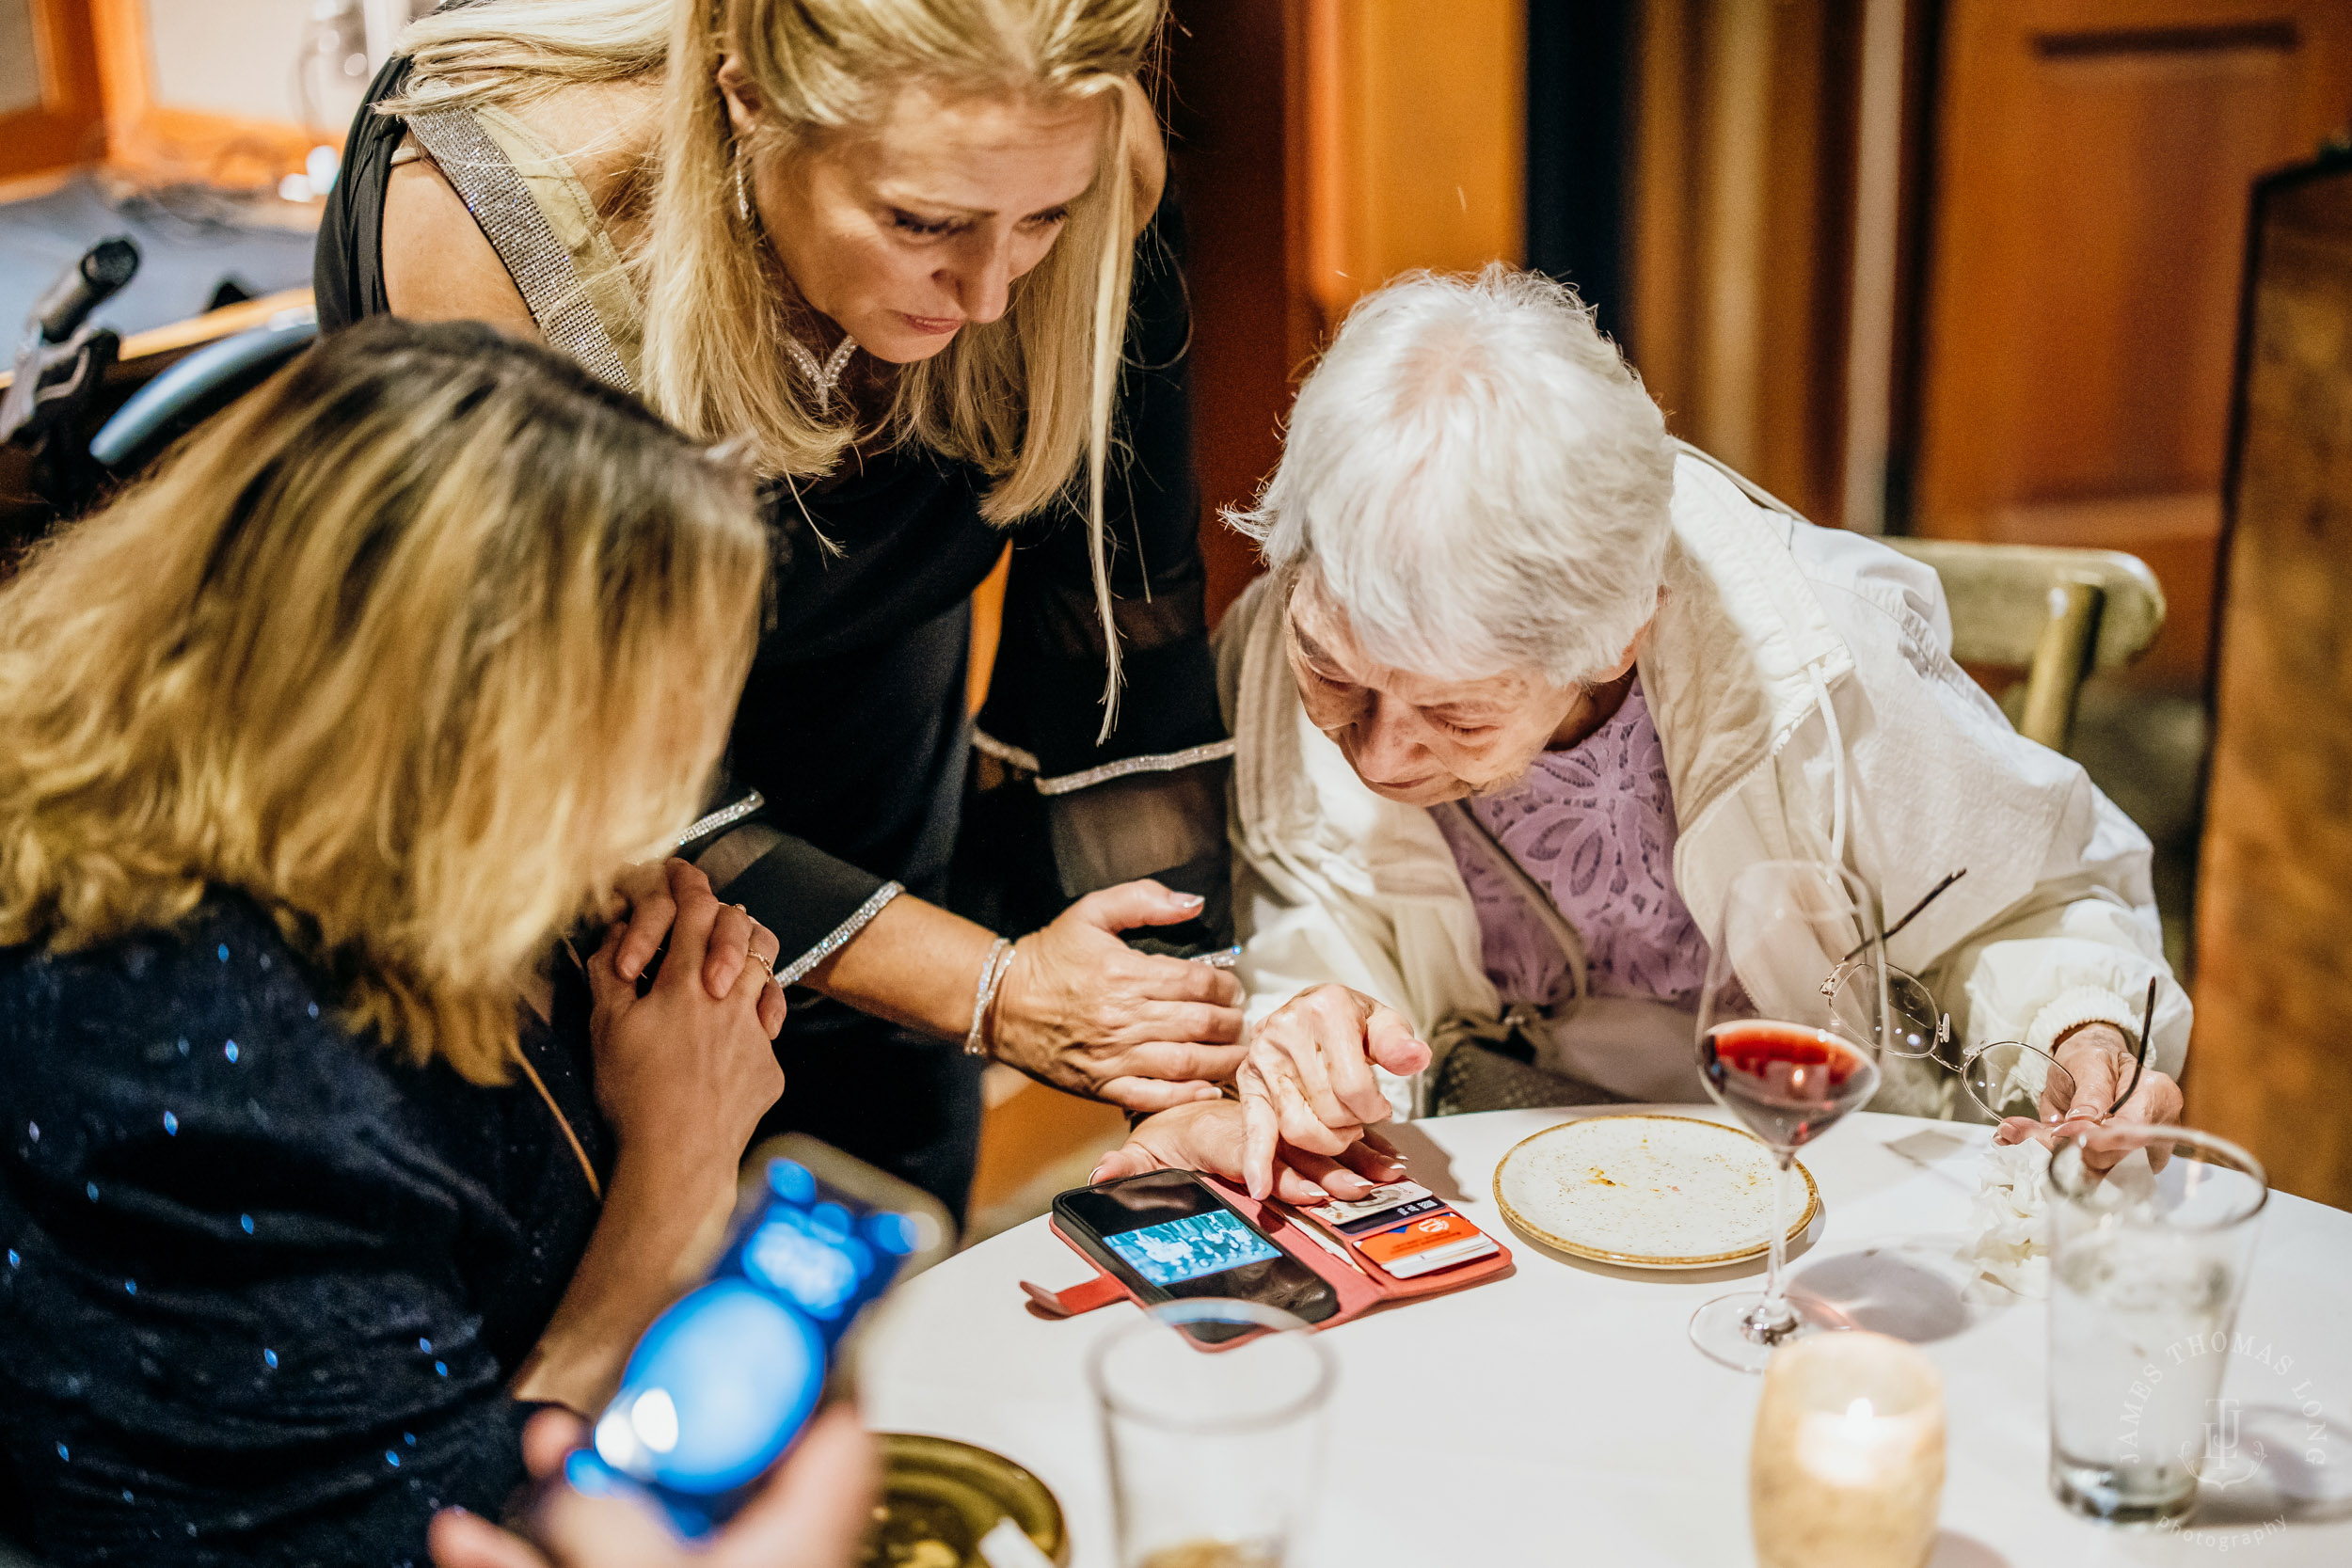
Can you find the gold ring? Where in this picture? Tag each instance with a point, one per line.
(763, 961)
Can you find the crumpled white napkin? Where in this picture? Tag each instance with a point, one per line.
(2007, 1233)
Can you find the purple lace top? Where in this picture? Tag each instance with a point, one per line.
(1594, 825)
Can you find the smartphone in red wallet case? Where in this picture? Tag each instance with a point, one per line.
(1170, 1235)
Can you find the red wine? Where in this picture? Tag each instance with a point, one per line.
(1788, 1083)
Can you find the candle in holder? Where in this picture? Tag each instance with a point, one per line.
(1848, 1466)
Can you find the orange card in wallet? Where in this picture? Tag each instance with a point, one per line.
(1425, 1246)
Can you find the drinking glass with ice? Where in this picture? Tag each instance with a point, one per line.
(2148, 1261)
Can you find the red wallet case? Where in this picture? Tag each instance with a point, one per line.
(1360, 1288)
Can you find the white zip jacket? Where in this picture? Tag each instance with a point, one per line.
(1803, 689)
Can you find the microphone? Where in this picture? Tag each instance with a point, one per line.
(102, 270)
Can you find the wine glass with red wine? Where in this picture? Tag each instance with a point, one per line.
(1786, 1058)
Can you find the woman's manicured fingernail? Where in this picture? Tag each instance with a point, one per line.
(1189, 901)
(1097, 1174)
(1316, 1195)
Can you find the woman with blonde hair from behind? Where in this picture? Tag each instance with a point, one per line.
(916, 255)
(322, 1160)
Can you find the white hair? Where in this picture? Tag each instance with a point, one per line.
(1476, 480)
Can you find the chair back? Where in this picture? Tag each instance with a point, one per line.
(2058, 614)
(196, 387)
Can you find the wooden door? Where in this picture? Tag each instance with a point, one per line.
(2268, 1066)
(2094, 161)
(50, 113)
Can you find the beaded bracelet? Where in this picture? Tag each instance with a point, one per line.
(992, 970)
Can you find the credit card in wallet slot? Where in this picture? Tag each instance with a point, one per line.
(1377, 1209)
(1419, 1263)
(1425, 1245)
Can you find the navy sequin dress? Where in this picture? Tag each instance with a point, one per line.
(264, 1285)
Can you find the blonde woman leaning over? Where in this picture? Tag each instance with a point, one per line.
(317, 1164)
(320, 1163)
(907, 251)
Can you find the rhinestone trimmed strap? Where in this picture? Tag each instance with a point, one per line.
(1066, 783)
(519, 232)
(1163, 762)
(725, 816)
(790, 974)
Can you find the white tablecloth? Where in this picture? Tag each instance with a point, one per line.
(1561, 1415)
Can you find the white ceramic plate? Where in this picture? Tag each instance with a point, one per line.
(1646, 1192)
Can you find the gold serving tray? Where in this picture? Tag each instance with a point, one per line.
(940, 1496)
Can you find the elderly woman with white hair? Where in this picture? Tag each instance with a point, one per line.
(1528, 683)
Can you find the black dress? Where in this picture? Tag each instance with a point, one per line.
(852, 730)
(264, 1285)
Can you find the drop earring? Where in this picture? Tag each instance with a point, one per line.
(743, 191)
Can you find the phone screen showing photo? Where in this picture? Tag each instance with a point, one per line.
(1177, 1250)
(1168, 1238)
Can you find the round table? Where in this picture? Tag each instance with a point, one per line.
(1560, 1415)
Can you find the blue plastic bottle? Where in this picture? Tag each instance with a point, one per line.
(725, 1380)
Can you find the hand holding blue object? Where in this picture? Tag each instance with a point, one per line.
(724, 1380)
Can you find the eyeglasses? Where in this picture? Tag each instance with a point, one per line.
(2008, 1078)
(1847, 965)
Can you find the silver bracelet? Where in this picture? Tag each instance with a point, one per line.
(992, 970)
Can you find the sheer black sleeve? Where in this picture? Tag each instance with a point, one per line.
(1044, 707)
(1148, 799)
(814, 901)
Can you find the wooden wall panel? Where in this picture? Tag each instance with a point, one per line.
(2268, 1066)
(20, 58)
(1664, 265)
(65, 126)
(1232, 105)
(1416, 140)
(1743, 221)
(2095, 158)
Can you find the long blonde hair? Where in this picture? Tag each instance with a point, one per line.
(417, 645)
(1021, 399)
